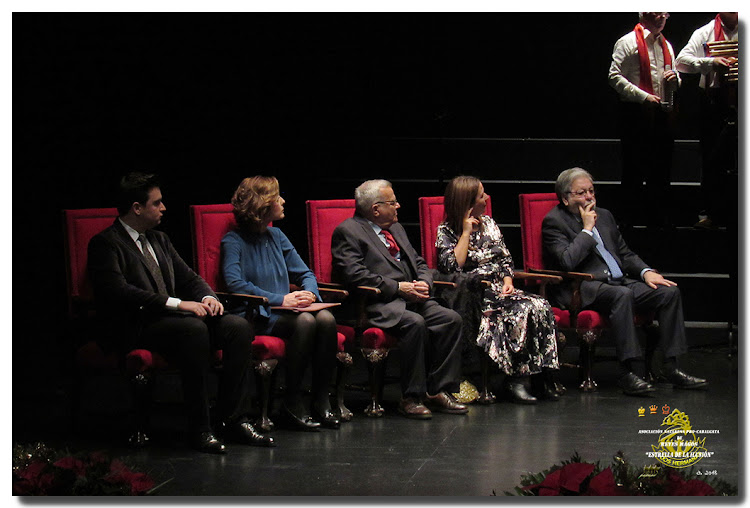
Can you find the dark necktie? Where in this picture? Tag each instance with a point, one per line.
(392, 245)
(153, 266)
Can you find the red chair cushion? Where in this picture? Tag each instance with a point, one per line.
(562, 317)
(345, 336)
(533, 209)
(322, 218)
(589, 320)
(375, 338)
(266, 347)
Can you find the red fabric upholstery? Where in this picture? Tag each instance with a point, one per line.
(266, 347)
(322, 218)
(345, 336)
(591, 320)
(562, 317)
(534, 207)
(431, 214)
(209, 225)
(376, 338)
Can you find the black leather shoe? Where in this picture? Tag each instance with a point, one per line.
(206, 442)
(327, 418)
(548, 393)
(245, 433)
(519, 394)
(294, 422)
(681, 380)
(633, 385)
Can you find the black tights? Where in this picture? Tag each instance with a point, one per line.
(310, 337)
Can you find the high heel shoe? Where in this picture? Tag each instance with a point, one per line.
(295, 422)
(326, 418)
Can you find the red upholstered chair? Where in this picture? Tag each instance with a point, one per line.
(209, 225)
(139, 365)
(322, 218)
(431, 214)
(587, 324)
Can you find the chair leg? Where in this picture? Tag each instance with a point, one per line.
(376, 360)
(345, 362)
(485, 395)
(142, 388)
(264, 372)
(588, 346)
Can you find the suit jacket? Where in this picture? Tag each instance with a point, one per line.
(567, 248)
(361, 259)
(125, 291)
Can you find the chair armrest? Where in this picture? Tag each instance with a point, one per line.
(564, 275)
(253, 300)
(332, 295)
(541, 277)
(442, 284)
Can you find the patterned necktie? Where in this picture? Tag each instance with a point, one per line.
(614, 268)
(392, 245)
(153, 266)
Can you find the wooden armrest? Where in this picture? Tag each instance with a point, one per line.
(542, 277)
(254, 300)
(443, 284)
(332, 295)
(564, 275)
(369, 290)
(330, 285)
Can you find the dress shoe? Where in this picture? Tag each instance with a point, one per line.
(245, 433)
(519, 394)
(444, 402)
(326, 418)
(206, 442)
(547, 392)
(681, 380)
(543, 387)
(295, 422)
(412, 408)
(633, 385)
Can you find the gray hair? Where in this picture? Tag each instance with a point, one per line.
(566, 178)
(367, 194)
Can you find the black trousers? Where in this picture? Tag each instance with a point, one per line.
(188, 342)
(619, 302)
(429, 336)
(647, 142)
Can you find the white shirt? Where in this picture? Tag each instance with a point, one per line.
(625, 70)
(693, 57)
(172, 303)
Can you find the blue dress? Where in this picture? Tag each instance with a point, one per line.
(263, 264)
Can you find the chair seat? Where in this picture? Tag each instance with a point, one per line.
(375, 338)
(266, 347)
(592, 320)
(345, 336)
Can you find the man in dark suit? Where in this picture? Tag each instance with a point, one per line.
(372, 249)
(147, 296)
(578, 236)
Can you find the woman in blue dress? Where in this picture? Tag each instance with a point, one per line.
(258, 259)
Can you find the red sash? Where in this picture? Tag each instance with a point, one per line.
(718, 29)
(645, 82)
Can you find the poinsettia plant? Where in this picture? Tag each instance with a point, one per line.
(575, 477)
(41, 471)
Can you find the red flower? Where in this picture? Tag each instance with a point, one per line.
(119, 473)
(676, 486)
(604, 484)
(568, 477)
(75, 465)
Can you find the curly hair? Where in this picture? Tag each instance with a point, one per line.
(252, 201)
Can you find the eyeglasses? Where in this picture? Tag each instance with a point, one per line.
(392, 202)
(583, 192)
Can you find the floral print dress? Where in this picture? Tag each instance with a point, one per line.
(518, 330)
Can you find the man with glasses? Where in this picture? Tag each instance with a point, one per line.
(578, 236)
(642, 73)
(372, 249)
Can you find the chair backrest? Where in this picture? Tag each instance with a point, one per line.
(534, 207)
(79, 227)
(431, 214)
(209, 224)
(322, 218)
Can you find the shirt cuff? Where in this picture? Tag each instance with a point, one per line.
(173, 303)
(590, 233)
(643, 272)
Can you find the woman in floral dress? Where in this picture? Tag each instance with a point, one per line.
(517, 329)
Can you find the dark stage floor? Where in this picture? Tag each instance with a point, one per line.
(472, 455)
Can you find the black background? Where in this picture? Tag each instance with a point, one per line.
(207, 99)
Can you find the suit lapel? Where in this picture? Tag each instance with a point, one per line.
(577, 227)
(374, 240)
(127, 241)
